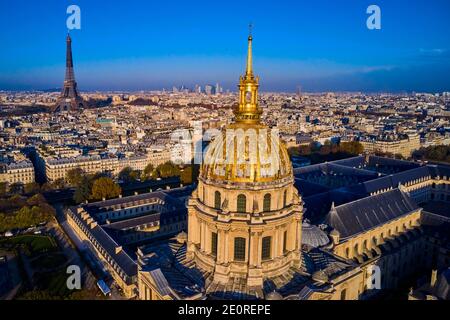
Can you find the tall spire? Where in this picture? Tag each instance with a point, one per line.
(69, 99)
(70, 76)
(248, 111)
(249, 70)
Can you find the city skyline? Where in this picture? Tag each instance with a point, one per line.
(322, 47)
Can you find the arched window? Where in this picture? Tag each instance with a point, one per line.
(285, 198)
(214, 243)
(241, 203)
(266, 247)
(239, 249)
(266, 203)
(347, 252)
(217, 200)
(344, 294)
(356, 249)
(285, 242)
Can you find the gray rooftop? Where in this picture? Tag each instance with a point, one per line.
(367, 213)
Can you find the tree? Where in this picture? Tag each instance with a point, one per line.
(84, 189)
(75, 176)
(16, 188)
(304, 150)
(168, 169)
(37, 199)
(105, 188)
(32, 188)
(3, 189)
(186, 175)
(58, 184)
(148, 173)
(128, 175)
(352, 147)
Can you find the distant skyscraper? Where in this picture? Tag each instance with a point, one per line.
(218, 89)
(69, 99)
(209, 89)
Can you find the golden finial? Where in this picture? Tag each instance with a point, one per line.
(248, 110)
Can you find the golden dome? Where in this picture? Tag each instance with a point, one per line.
(247, 150)
(248, 154)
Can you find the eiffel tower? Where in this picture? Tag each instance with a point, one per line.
(69, 99)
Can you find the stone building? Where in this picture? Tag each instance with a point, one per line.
(258, 229)
(403, 144)
(16, 168)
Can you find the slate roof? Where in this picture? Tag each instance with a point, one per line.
(439, 170)
(313, 236)
(354, 162)
(367, 213)
(173, 273)
(400, 165)
(134, 222)
(104, 240)
(141, 199)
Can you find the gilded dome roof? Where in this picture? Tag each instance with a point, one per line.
(256, 155)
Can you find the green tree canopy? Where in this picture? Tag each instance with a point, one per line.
(16, 188)
(105, 188)
(186, 175)
(168, 169)
(75, 176)
(84, 189)
(128, 175)
(32, 188)
(148, 173)
(3, 189)
(352, 147)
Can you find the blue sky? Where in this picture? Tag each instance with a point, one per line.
(321, 45)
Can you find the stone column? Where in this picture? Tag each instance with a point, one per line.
(253, 249)
(226, 243)
(276, 252)
(202, 236)
(221, 246)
